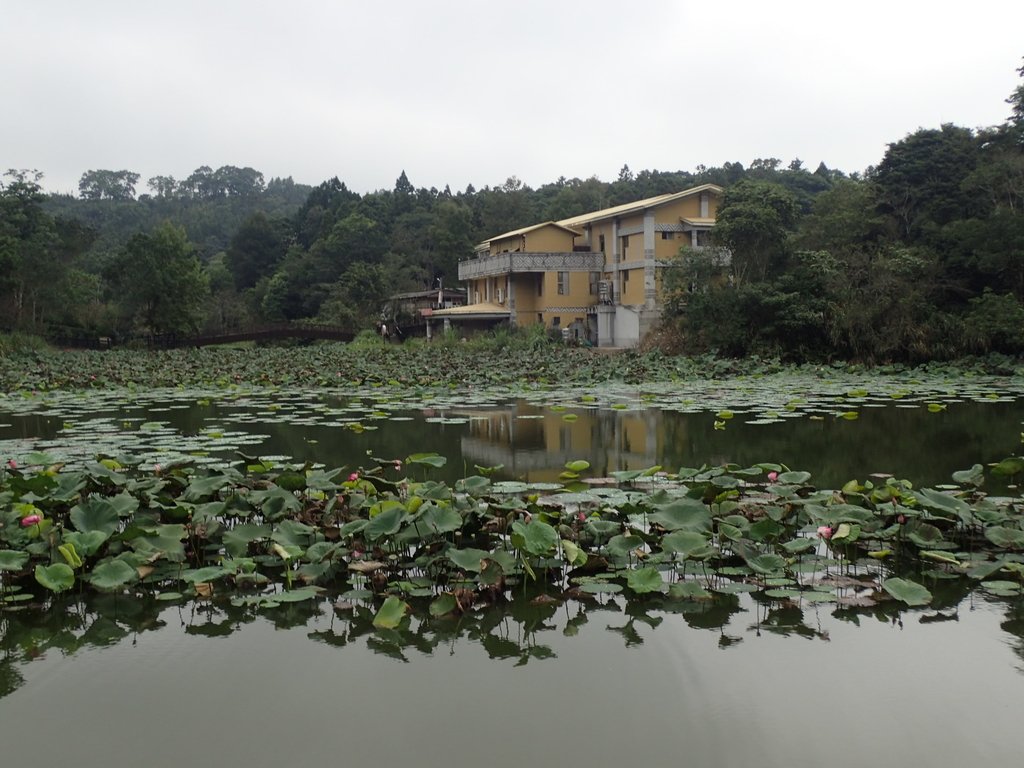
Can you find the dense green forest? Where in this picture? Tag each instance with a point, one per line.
(919, 257)
(922, 258)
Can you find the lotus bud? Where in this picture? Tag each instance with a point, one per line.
(825, 532)
(353, 477)
(29, 520)
(773, 477)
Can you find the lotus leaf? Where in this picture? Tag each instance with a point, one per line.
(443, 605)
(764, 529)
(86, 544)
(732, 587)
(468, 559)
(797, 546)
(984, 570)
(684, 543)
(163, 539)
(391, 613)
(688, 590)
(1007, 538)
(623, 545)
(974, 476)
(12, 560)
(1002, 588)
(910, 592)
(292, 533)
(944, 503)
(474, 484)
(602, 587)
(237, 539)
(439, 520)
(322, 550)
(95, 514)
(386, 522)
(112, 574)
(536, 537)
(202, 488)
(200, 575)
(56, 578)
(1009, 467)
(683, 514)
(276, 502)
(428, 459)
(573, 554)
(766, 563)
(643, 580)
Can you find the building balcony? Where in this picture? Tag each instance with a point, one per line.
(526, 261)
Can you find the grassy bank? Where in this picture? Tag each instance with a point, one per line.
(508, 358)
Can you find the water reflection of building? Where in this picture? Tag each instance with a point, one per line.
(535, 444)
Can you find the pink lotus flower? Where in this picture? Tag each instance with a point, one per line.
(581, 517)
(29, 520)
(398, 464)
(12, 464)
(825, 532)
(901, 519)
(353, 477)
(773, 477)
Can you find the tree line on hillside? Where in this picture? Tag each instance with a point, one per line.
(221, 250)
(919, 257)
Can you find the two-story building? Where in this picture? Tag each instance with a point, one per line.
(596, 274)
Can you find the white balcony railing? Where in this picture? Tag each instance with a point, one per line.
(526, 261)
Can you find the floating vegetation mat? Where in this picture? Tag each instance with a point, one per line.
(140, 421)
(391, 540)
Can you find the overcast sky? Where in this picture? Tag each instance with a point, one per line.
(472, 91)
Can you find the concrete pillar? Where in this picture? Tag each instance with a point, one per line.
(650, 283)
(616, 285)
(512, 300)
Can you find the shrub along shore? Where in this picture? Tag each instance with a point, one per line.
(501, 358)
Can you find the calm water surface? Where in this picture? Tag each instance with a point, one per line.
(755, 686)
(737, 682)
(531, 441)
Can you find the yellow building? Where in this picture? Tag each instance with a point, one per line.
(593, 275)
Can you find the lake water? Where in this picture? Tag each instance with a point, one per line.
(737, 681)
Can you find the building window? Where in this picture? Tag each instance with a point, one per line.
(540, 284)
(600, 243)
(595, 278)
(625, 242)
(563, 283)
(703, 238)
(556, 321)
(625, 276)
(540, 318)
(668, 235)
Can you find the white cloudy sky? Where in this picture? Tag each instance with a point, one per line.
(473, 91)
